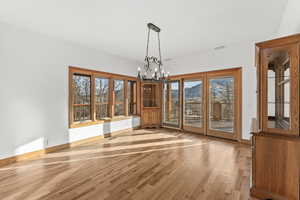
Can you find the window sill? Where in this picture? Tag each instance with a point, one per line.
(104, 120)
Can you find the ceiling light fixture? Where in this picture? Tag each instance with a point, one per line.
(152, 69)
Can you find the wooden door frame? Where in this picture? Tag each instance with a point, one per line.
(238, 91)
(236, 73)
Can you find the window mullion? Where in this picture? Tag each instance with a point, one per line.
(71, 94)
(93, 100)
(111, 98)
(126, 97)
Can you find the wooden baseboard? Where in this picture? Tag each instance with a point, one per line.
(171, 128)
(244, 141)
(36, 154)
(261, 194)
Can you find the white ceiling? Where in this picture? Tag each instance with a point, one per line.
(119, 26)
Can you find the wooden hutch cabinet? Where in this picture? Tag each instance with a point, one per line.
(276, 143)
(150, 104)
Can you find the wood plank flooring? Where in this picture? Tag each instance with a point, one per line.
(138, 165)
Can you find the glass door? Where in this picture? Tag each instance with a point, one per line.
(171, 99)
(221, 101)
(224, 104)
(193, 105)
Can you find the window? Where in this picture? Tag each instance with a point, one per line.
(132, 97)
(102, 97)
(81, 97)
(119, 97)
(96, 97)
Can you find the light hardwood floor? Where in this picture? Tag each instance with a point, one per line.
(138, 165)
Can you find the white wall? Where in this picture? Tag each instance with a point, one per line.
(34, 88)
(241, 55)
(290, 23)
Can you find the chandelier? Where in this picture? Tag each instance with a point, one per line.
(152, 68)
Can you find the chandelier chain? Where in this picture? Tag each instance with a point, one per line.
(159, 50)
(148, 38)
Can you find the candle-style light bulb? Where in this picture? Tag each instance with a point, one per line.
(139, 69)
(155, 69)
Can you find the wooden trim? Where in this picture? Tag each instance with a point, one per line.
(193, 129)
(262, 194)
(205, 102)
(240, 105)
(104, 120)
(111, 99)
(101, 73)
(70, 82)
(93, 98)
(279, 41)
(126, 98)
(245, 141)
(36, 154)
(182, 110)
(278, 136)
(138, 93)
(172, 128)
(201, 74)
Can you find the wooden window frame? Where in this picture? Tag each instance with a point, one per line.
(111, 101)
(134, 96)
(90, 96)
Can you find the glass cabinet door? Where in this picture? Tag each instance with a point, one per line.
(279, 90)
(151, 96)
